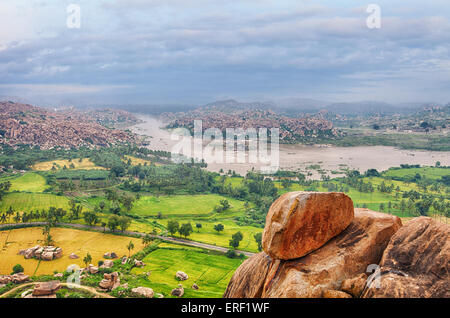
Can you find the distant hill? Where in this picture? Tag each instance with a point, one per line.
(232, 114)
(301, 106)
(27, 124)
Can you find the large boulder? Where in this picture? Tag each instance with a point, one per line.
(139, 263)
(416, 263)
(46, 253)
(248, 280)
(143, 291)
(109, 255)
(91, 269)
(346, 256)
(29, 254)
(107, 264)
(181, 275)
(178, 292)
(5, 279)
(301, 222)
(110, 281)
(47, 256)
(320, 273)
(46, 288)
(73, 256)
(19, 278)
(58, 253)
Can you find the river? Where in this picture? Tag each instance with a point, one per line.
(300, 157)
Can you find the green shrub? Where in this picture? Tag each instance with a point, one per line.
(18, 269)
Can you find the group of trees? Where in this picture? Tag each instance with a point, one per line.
(184, 229)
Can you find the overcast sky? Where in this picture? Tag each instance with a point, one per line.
(198, 51)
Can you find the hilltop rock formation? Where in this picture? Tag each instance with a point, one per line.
(416, 263)
(27, 124)
(321, 272)
(227, 116)
(248, 280)
(374, 256)
(346, 256)
(301, 222)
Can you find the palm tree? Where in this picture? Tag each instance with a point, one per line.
(17, 217)
(10, 212)
(87, 259)
(130, 246)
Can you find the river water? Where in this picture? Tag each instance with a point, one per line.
(300, 157)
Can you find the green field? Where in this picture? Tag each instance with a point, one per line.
(25, 202)
(183, 205)
(433, 173)
(29, 182)
(211, 272)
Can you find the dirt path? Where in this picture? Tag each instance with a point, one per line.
(87, 288)
(132, 233)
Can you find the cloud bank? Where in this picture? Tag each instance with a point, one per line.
(176, 51)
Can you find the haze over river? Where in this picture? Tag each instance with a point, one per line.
(298, 157)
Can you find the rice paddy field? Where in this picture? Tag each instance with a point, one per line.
(210, 271)
(70, 240)
(183, 205)
(85, 164)
(28, 182)
(25, 202)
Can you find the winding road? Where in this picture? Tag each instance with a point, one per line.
(130, 233)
